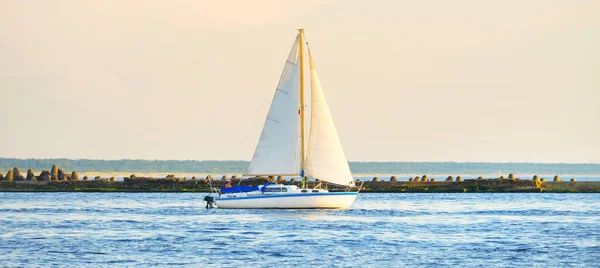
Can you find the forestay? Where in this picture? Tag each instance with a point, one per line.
(325, 160)
(278, 149)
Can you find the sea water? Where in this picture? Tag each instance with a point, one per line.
(381, 230)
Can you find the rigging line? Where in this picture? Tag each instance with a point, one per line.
(306, 41)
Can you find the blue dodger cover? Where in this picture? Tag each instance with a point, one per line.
(238, 189)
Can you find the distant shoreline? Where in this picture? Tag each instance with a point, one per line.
(125, 167)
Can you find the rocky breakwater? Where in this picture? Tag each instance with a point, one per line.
(512, 184)
(58, 180)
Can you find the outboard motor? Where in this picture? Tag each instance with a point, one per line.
(210, 201)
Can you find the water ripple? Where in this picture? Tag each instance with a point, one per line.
(400, 230)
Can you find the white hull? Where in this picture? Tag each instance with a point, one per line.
(339, 200)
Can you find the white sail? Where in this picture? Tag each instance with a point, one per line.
(278, 150)
(325, 160)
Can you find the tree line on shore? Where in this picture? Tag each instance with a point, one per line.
(235, 166)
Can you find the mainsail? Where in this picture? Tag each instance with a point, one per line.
(325, 160)
(278, 149)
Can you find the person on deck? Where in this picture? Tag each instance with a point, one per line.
(228, 184)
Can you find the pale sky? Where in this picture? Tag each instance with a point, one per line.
(493, 81)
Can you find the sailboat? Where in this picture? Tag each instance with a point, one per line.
(282, 151)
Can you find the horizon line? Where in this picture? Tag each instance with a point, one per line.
(359, 161)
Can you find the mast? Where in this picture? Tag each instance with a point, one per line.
(301, 33)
